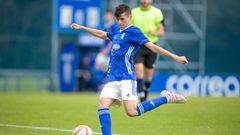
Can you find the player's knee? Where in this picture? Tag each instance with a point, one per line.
(131, 112)
(148, 79)
(102, 105)
(139, 74)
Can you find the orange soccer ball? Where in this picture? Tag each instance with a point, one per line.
(82, 130)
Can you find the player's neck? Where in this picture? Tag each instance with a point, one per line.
(145, 8)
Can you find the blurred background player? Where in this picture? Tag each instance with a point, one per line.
(102, 58)
(85, 74)
(110, 25)
(150, 20)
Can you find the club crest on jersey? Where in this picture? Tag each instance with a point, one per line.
(116, 46)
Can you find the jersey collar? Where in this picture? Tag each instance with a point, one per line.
(141, 8)
(126, 27)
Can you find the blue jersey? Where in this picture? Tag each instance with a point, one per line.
(125, 44)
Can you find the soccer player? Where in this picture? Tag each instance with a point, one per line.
(149, 20)
(121, 85)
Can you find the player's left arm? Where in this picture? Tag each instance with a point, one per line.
(159, 21)
(160, 30)
(95, 32)
(160, 50)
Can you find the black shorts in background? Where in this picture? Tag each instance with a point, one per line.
(145, 56)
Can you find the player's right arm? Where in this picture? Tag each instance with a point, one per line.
(95, 32)
(160, 50)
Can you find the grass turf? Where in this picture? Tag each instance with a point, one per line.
(200, 116)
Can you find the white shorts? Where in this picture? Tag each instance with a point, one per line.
(120, 90)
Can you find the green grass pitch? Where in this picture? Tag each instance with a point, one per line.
(200, 116)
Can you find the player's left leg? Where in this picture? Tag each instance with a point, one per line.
(104, 115)
(108, 97)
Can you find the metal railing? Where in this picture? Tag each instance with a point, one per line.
(193, 14)
(25, 80)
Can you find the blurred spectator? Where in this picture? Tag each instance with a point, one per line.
(102, 58)
(93, 76)
(110, 25)
(85, 74)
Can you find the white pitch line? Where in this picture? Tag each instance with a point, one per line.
(41, 128)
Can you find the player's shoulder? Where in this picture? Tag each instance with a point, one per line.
(134, 30)
(153, 8)
(156, 11)
(136, 9)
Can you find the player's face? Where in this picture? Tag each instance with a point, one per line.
(145, 3)
(124, 20)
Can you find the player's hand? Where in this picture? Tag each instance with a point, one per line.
(75, 26)
(182, 60)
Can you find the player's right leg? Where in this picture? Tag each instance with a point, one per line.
(133, 109)
(130, 108)
(173, 98)
(165, 97)
(130, 99)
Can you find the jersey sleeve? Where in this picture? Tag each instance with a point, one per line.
(110, 35)
(159, 16)
(138, 38)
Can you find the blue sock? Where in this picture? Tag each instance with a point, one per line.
(150, 105)
(105, 121)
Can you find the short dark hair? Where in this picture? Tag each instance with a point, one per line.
(120, 9)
